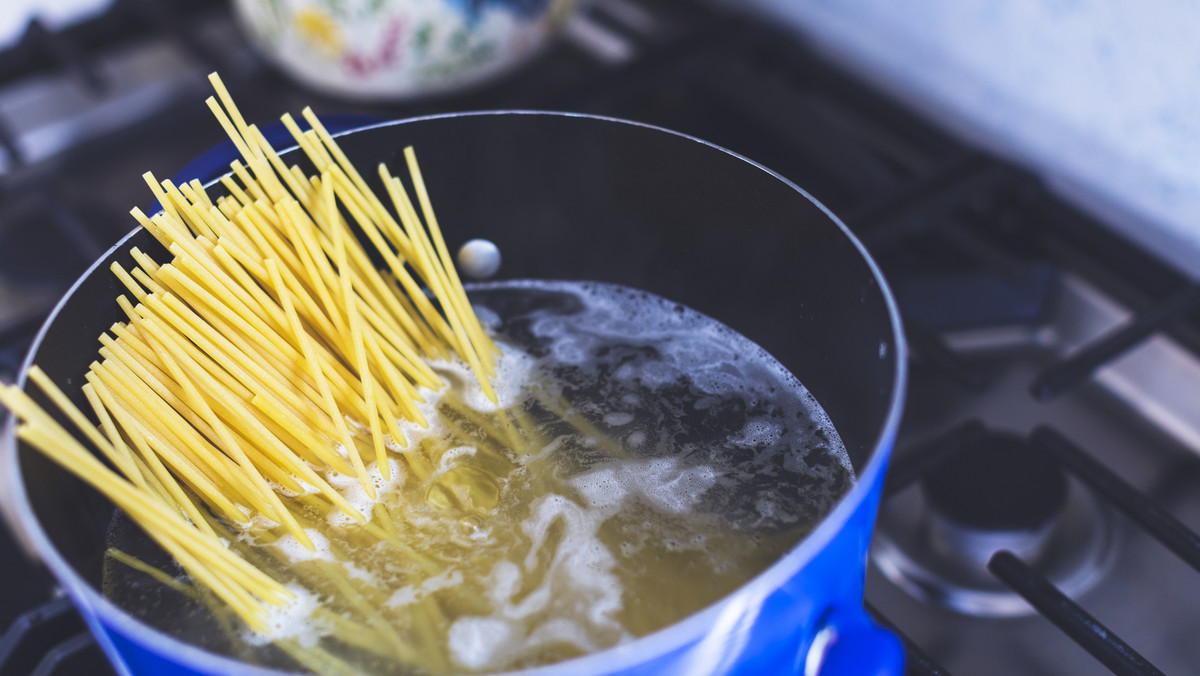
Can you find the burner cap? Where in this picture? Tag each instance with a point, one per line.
(999, 484)
(999, 493)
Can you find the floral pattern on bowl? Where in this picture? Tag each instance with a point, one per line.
(380, 49)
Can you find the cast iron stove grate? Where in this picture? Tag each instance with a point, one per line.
(979, 252)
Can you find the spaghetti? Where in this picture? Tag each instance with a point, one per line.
(233, 385)
(306, 435)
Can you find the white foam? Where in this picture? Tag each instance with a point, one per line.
(672, 489)
(552, 447)
(450, 456)
(578, 597)
(580, 593)
(410, 594)
(601, 488)
(478, 642)
(770, 511)
(296, 552)
(356, 572)
(504, 581)
(561, 630)
(757, 433)
(618, 418)
(305, 488)
(658, 373)
(660, 481)
(715, 381)
(570, 349)
(258, 523)
(661, 344)
(395, 445)
(352, 490)
(294, 621)
(513, 370)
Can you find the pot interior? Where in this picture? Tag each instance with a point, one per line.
(578, 198)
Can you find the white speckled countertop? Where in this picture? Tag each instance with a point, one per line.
(1101, 96)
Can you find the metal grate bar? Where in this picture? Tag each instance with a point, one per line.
(1165, 528)
(795, 119)
(8, 141)
(20, 330)
(168, 21)
(914, 197)
(1076, 622)
(34, 633)
(33, 56)
(932, 199)
(74, 229)
(1079, 367)
(76, 655)
(67, 54)
(931, 349)
(961, 232)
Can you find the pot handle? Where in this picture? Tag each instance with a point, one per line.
(851, 644)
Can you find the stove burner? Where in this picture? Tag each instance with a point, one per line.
(999, 493)
(1002, 494)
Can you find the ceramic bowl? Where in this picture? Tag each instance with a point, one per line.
(394, 49)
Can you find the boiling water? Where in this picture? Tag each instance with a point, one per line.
(643, 462)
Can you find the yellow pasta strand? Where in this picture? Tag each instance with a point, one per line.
(315, 370)
(230, 391)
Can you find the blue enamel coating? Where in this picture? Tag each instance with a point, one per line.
(766, 627)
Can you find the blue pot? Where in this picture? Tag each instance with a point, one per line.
(580, 197)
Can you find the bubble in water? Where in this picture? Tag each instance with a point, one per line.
(618, 419)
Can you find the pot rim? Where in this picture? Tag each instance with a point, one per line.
(95, 607)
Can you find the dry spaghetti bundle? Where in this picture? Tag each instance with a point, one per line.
(266, 356)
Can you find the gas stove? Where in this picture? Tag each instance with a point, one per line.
(1041, 510)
